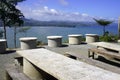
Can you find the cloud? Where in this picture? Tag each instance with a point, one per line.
(84, 14)
(47, 14)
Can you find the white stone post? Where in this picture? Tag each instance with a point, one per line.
(54, 41)
(75, 39)
(2, 45)
(28, 42)
(92, 38)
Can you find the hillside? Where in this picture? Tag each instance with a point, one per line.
(31, 22)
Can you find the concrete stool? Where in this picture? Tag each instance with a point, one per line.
(75, 39)
(28, 42)
(118, 40)
(92, 38)
(2, 45)
(54, 41)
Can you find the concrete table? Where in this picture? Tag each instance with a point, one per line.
(28, 42)
(92, 38)
(54, 41)
(2, 45)
(61, 67)
(75, 39)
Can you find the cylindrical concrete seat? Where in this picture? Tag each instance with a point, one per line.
(28, 42)
(75, 39)
(119, 41)
(54, 41)
(92, 38)
(2, 45)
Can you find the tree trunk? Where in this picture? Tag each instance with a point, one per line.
(119, 28)
(104, 31)
(15, 37)
(5, 34)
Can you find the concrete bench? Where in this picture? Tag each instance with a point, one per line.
(90, 38)
(107, 54)
(78, 56)
(54, 41)
(61, 67)
(107, 50)
(108, 46)
(28, 42)
(2, 45)
(75, 39)
(12, 73)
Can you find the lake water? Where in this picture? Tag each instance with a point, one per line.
(42, 32)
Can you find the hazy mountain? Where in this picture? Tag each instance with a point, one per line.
(31, 22)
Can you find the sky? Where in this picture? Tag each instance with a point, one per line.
(72, 10)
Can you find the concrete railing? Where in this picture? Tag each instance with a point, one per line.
(2, 45)
(28, 42)
(54, 41)
(75, 39)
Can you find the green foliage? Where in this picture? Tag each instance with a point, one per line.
(65, 41)
(10, 15)
(40, 43)
(109, 37)
(103, 23)
(15, 2)
(83, 38)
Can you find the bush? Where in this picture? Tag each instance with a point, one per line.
(109, 37)
(40, 43)
(66, 41)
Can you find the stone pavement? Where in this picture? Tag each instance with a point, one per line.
(61, 67)
(82, 49)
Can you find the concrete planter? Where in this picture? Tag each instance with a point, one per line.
(2, 45)
(92, 38)
(28, 42)
(54, 41)
(75, 39)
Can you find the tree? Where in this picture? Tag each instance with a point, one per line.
(103, 23)
(119, 27)
(9, 14)
(1, 33)
(16, 20)
(14, 2)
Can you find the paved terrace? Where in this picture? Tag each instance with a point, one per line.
(61, 67)
(80, 49)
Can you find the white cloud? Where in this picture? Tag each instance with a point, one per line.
(84, 14)
(46, 8)
(46, 14)
(53, 11)
(76, 13)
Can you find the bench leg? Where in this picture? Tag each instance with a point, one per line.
(8, 76)
(91, 55)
